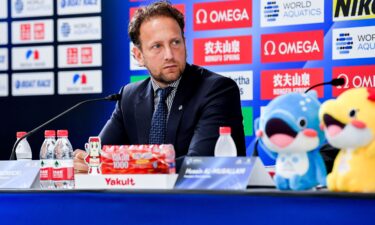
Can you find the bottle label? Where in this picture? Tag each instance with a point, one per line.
(63, 170)
(46, 167)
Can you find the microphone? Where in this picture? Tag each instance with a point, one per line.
(113, 97)
(333, 82)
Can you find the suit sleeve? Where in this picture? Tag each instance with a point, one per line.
(221, 107)
(113, 131)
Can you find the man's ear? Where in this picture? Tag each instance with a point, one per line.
(138, 55)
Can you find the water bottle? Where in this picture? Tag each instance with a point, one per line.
(23, 150)
(46, 160)
(63, 171)
(225, 145)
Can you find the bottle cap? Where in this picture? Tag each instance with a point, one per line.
(49, 133)
(225, 130)
(21, 134)
(62, 133)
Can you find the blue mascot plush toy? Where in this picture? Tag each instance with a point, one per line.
(288, 131)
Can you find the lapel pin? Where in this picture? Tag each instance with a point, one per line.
(180, 108)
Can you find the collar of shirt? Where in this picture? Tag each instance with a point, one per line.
(155, 86)
(170, 98)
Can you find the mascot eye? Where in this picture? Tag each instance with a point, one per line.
(302, 122)
(353, 113)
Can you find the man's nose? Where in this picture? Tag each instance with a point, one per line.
(168, 54)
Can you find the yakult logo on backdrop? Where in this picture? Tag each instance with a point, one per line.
(291, 12)
(37, 31)
(85, 55)
(294, 46)
(224, 50)
(279, 82)
(222, 15)
(355, 77)
(351, 43)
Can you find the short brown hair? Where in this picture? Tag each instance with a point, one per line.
(160, 8)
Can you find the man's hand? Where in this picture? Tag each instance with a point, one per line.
(80, 165)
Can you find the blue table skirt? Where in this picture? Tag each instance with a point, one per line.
(185, 207)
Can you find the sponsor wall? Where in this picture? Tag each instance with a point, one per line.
(59, 52)
(50, 58)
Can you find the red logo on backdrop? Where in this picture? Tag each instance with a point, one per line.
(39, 31)
(86, 55)
(72, 56)
(180, 7)
(279, 82)
(221, 51)
(355, 76)
(25, 33)
(294, 46)
(222, 15)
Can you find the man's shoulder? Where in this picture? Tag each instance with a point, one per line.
(137, 85)
(135, 88)
(209, 77)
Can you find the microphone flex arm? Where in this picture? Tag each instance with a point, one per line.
(108, 98)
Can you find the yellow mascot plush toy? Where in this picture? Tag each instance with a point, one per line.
(349, 124)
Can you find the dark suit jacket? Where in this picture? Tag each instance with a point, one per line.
(204, 101)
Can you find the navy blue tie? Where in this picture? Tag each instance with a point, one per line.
(159, 119)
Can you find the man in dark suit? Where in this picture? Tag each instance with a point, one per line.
(196, 102)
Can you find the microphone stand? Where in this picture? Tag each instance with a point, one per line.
(317, 85)
(333, 82)
(114, 97)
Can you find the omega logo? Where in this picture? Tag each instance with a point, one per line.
(284, 48)
(228, 15)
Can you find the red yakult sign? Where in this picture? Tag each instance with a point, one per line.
(355, 77)
(294, 46)
(224, 50)
(222, 15)
(26, 31)
(279, 82)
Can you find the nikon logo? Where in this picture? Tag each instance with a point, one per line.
(353, 9)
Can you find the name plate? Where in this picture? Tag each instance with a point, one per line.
(128, 181)
(19, 174)
(222, 173)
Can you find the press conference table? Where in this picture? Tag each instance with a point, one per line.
(178, 207)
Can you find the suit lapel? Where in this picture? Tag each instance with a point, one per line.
(143, 113)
